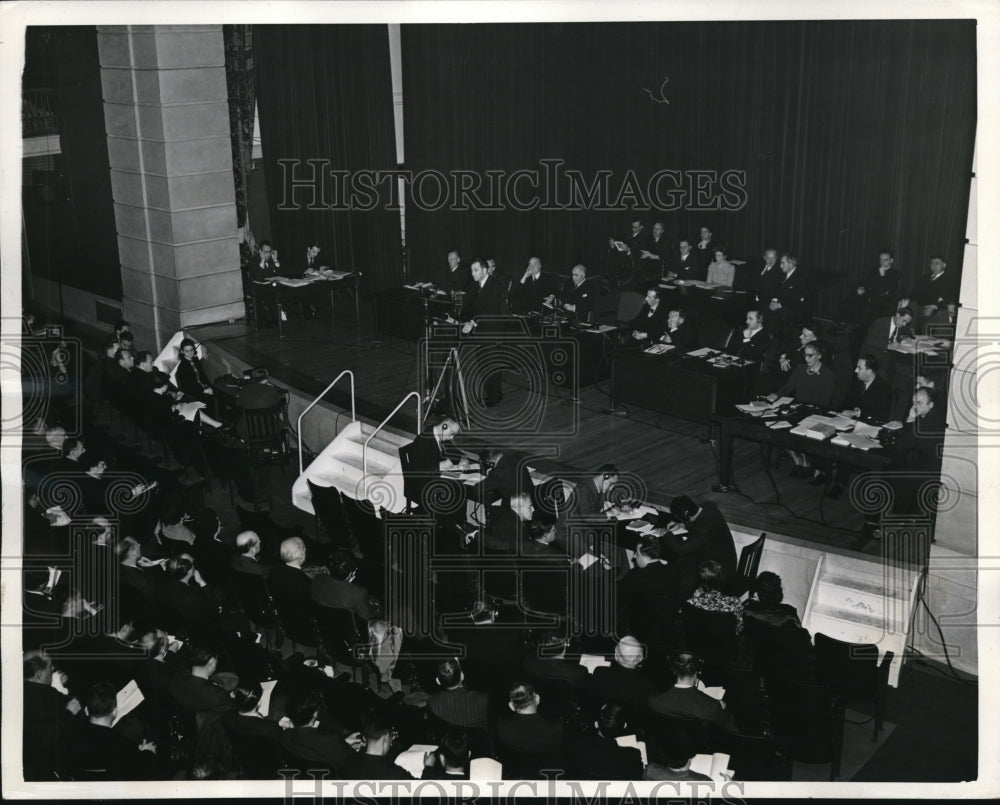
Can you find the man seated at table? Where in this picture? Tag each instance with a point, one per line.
(870, 395)
(579, 295)
(720, 270)
(264, 264)
(884, 333)
(651, 321)
(456, 277)
(311, 263)
(708, 537)
(679, 333)
(755, 339)
(535, 290)
(685, 264)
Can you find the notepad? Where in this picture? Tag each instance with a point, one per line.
(592, 661)
(412, 759)
(715, 766)
(267, 689)
(658, 349)
(127, 699)
(630, 742)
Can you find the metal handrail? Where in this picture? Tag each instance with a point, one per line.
(382, 424)
(298, 422)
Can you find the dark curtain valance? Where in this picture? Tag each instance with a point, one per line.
(854, 136)
(325, 93)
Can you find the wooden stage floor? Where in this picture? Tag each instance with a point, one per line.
(668, 456)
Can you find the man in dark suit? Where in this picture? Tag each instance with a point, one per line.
(374, 761)
(524, 730)
(754, 340)
(535, 290)
(456, 277)
(679, 333)
(623, 682)
(486, 300)
(288, 582)
(305, 741)
(651, 321)
(708, 537)
(941, 323)
(194, 692)
(597, 756)
(591, 494)
(883, 333)
(793, 299)
(870, 397)
(650, 594)
(579, 295)
(685, 264)
(653, 257)
(47, 721)
(338, 591)
(546, 660)
(879, 291)
(247, 556)
(935, 288)
(454, 703)
(768, 278)
(506, 475)
(684, 698)
(626, 260)
(704, 249)
(264, 264)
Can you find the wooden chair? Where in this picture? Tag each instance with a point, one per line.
(852, 670)
(746, 570)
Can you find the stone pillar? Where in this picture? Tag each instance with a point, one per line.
(167, 120)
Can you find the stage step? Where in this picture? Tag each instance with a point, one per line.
(859, 601)
(341, 463)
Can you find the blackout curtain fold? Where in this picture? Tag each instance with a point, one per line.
(238, 42)
(853, 136)
(324, 93)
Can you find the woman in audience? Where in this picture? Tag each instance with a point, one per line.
(720, 270)
(766, 608)
(710, 596)
(191, 378)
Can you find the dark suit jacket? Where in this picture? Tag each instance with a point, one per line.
(458, 280)
(286, 582)
(197, 695)
(47, 725)
(244, 564)
(683, 338)
(589, 499)
(527, 296)
(190, 602)
(755, 348)
(874, 401)
(766, 284)
(336, 594)
(779, 616)
(360, 766)
(690, 267)
(508, 477)
(795, 294)
(882, 291)
(918, 443)
(95, 747)
(260, 272)
(460, 707)
(708, 537)
(485, 300)
(583, 296)
(938, 291)
(532, 733)
(191, 378)
(308, 743)
(569, 671)
(691, 702)
(618, 685)
(594, 757)
(706, 255)
(650, 598)
(651, 322)
(876, 343)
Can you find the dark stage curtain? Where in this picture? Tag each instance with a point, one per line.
(238, 41)
(325, 93)
(68, 209)
(854, 136)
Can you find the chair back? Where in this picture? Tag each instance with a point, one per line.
(258, 755)
(751, 757)
(746, 570)
(714, 334)
(329, 508)
(808, 722)
(629, 305)
(366, 528)
(779, 651)
(851, 669)
(295, 613)
(712, 636)
(664, 732)
(340, 634)
(264, 434)
(255, 599)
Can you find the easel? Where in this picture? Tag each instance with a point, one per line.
(453, 361)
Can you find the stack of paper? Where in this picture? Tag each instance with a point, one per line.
(658, 349)
(293, 283)
(604, 328)
(714, 766)
(855, 440)
(412, 759)
(127, 699)
(592, 661)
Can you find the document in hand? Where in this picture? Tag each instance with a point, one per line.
(127, 699)
(715, 766)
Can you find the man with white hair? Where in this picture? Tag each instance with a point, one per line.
(247, 556)
(289, 581)
(623, 682)
(534, 290)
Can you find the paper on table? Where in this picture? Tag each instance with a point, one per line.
(857, 441)
(711, 765)
(701, 353)
(485, 768)
(641, 526)
(592, 661)
(587, 560)
(604, 328)
(265, 697)
(634, 514)
(412, 759)
(630, 742)
(658, 349)
(127, 699)
(779, 424)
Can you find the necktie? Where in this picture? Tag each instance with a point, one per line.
(892, 334)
